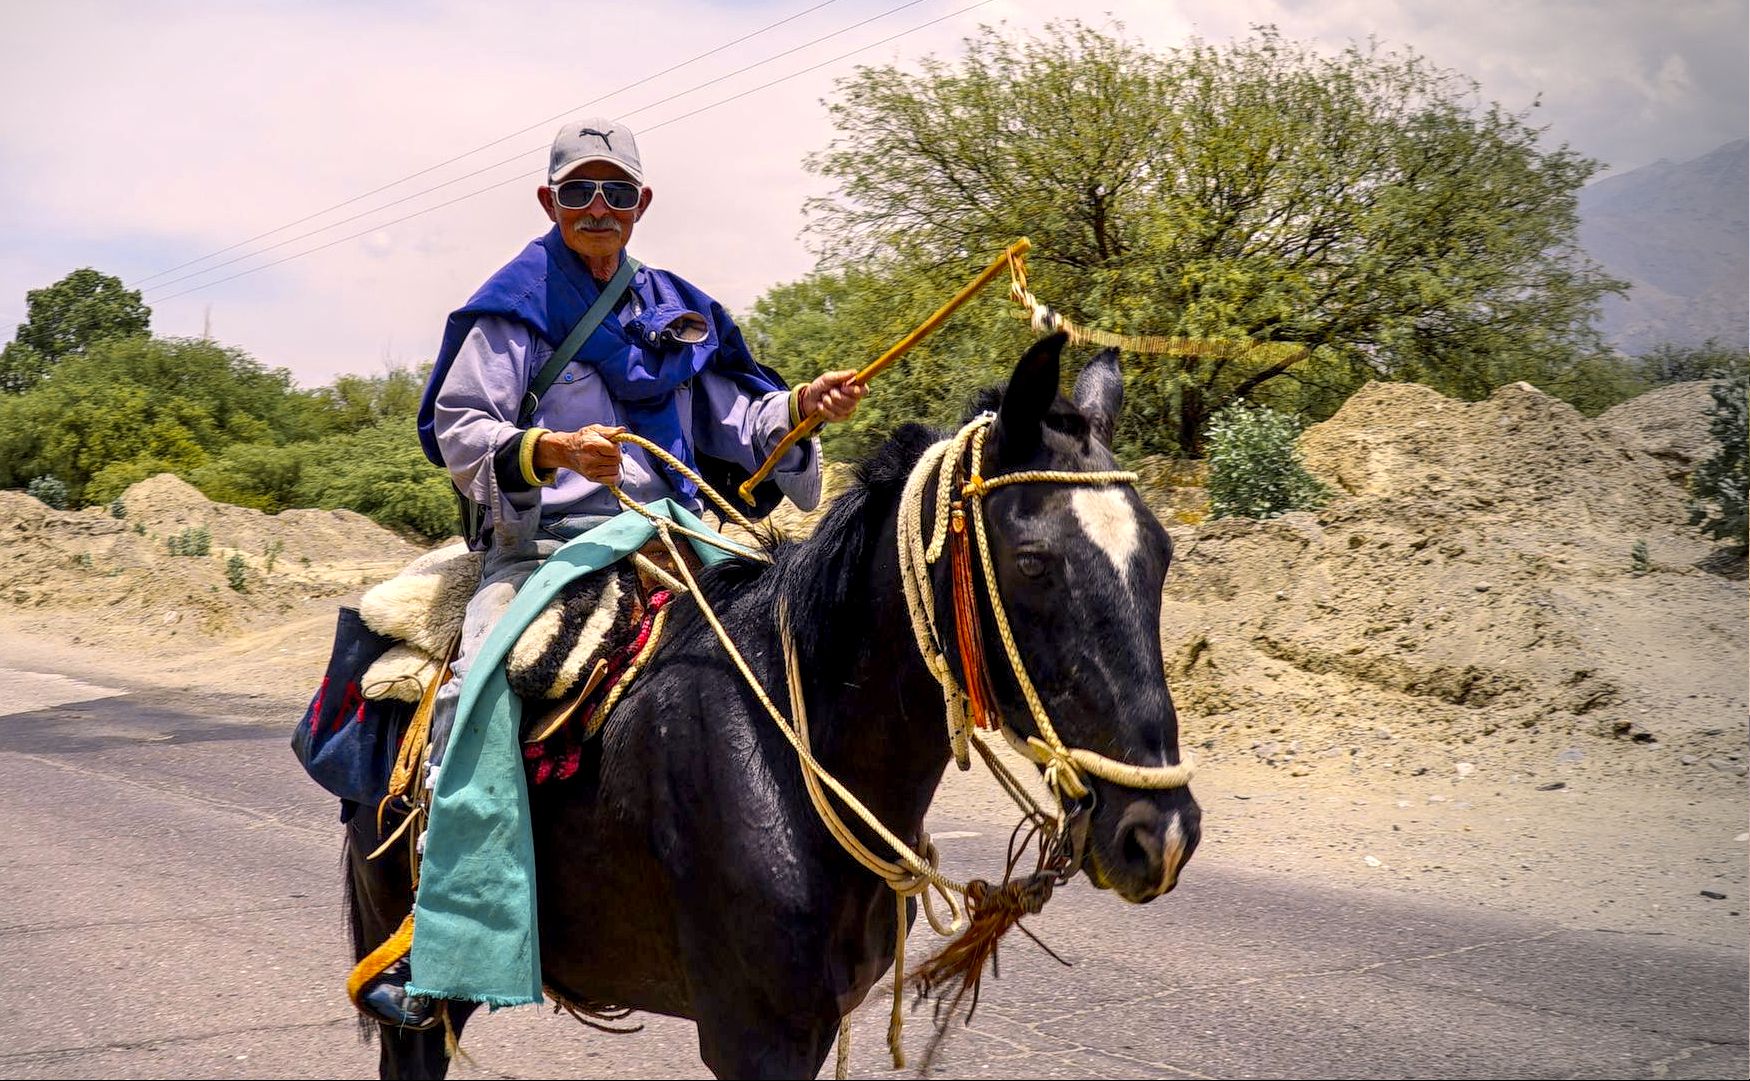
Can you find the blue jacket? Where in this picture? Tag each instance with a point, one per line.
(700, 394)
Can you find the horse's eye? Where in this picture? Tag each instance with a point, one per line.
(1030, 565)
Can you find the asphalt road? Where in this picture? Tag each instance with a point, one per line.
(169, 907)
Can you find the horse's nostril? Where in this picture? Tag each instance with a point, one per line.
(1133, 851)
(1139, 838)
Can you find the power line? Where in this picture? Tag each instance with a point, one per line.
(517, 157)
(538, 172)
(478, 149)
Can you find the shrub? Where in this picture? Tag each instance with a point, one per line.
(117, 477)
(192, 541)
(1720, 484)
(117, 508)
(49, 490)
(1254, 467)
(234, 568)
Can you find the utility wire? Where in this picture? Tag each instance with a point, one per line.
(538, 172)
(478, 149)
(519, 156)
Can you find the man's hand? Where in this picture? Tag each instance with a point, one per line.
(833, 395)
(588, 451)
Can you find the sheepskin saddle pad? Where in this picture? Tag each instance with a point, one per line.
(592, 620)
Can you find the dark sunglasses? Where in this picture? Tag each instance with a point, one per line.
(578, 194)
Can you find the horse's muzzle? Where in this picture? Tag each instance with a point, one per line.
(1148, 846)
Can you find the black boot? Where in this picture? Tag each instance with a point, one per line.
(385, 999)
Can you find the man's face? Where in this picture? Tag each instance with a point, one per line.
(597, 231)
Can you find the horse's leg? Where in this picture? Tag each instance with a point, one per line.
(379, 896)
(406, 1053)
(744, 1039)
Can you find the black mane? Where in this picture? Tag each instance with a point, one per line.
(823, 580)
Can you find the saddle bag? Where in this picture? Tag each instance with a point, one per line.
(345, 741)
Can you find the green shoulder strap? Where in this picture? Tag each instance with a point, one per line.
(568, 348)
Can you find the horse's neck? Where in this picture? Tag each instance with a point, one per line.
(876, 713)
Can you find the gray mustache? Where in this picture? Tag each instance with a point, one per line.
(604, 222)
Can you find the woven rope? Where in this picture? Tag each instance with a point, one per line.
(1045, 320)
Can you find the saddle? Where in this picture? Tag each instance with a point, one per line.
(583, 646)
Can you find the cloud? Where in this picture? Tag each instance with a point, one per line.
(135, 137)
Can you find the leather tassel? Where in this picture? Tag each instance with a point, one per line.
(967, 631)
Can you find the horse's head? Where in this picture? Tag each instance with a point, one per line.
(1080, 569)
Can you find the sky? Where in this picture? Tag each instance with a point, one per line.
(137, 137)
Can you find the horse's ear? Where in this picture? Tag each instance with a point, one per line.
(1028, 398)
(1099, 394)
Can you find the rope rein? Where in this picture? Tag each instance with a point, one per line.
(1046, 319)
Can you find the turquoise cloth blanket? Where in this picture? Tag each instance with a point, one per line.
(476, 935)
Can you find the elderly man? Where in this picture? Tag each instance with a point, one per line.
(666, 361)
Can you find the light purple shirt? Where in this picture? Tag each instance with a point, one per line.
(476, 410)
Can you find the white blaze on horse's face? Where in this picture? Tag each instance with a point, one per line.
(1109, 520)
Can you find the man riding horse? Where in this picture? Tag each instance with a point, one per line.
(664, 360)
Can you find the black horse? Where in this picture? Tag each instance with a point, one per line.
(683, 870)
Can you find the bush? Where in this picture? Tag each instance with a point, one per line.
(117, 477)
(192, 541)
(48, 490)
(117, 508)
(1639, 561)
(1718, 489)
(380, 472)
(1668, 364)
(256, 475)
(234, 568)
(1254, 467)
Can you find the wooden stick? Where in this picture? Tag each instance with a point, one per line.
(812, 423)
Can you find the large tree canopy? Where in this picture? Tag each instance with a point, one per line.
(1367, 206)
(67, 317)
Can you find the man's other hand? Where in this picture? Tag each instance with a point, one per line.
(834, 396)
(589, 451)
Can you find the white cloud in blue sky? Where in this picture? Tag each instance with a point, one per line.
(133, 137)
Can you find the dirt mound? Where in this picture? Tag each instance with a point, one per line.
(1469, 593)
(1670, 424)
(95, 578)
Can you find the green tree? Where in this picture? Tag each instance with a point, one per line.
(260, 475)
(1667, 364)
(83, 308)
(21, 368)
(844, 319)
(381, 472)
(174, 402)
(356, 402)
(1363, 206)
(1720, 489)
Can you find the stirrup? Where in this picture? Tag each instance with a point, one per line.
(385, 1000)
(378, 985)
